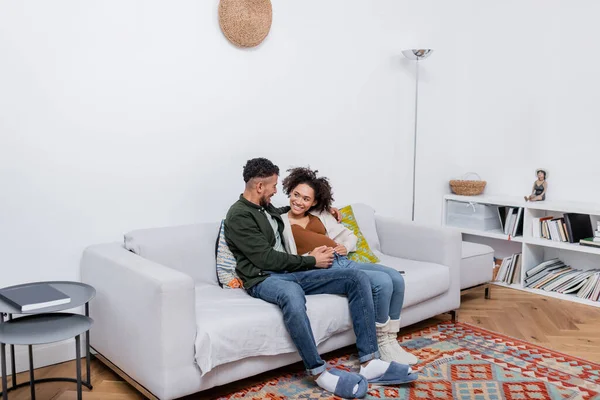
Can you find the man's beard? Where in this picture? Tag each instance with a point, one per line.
(264, 201)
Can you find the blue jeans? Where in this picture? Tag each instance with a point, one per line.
(288, 291)
(387, 285)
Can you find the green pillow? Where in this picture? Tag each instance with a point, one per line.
(363, 253)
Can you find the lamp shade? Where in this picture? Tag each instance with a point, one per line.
(417, 54)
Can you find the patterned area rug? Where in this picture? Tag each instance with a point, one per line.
(460, 361)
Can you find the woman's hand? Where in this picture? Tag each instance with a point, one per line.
(341, 250)
(336, 214)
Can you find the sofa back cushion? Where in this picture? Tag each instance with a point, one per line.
(187, 248)
(365, 217)
(362, 253)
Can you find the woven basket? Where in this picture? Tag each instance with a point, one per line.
(467, 187)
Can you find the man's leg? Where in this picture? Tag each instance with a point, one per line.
(289, 296)
(356, 286)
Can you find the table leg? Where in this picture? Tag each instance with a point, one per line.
(31, 378)
(4, 380)
(87, 348)
(78, 364)
(12, 359)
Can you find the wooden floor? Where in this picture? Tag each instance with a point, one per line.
(559, 325)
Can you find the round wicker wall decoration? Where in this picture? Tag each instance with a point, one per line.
(245, 23)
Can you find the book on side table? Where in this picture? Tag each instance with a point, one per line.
(29, 298)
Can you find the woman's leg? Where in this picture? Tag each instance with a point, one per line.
(397, 296)
(382, 288)
(396, 300)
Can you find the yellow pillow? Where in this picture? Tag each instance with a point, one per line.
(363, 253)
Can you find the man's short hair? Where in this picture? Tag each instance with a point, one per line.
(259, 168)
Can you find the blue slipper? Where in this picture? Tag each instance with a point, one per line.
(346, 383)
(396, 374)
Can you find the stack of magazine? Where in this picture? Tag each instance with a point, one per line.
(555, 276)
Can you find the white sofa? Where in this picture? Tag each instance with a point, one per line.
(162, 319)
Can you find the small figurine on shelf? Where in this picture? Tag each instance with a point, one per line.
(540, 187)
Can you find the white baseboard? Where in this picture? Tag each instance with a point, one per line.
(44, 355)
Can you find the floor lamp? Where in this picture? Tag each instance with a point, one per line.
(416, 55)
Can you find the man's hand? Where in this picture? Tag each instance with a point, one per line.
(341, 250)
(323, 255)
(336, 214)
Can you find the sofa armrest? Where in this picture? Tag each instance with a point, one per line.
(144, 315)
(414, 241)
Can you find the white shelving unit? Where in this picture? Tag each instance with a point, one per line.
(535, 250)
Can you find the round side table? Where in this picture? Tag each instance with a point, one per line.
(45, 325)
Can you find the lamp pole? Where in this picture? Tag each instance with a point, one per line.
(416, 55)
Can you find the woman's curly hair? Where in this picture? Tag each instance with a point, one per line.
(321, 186)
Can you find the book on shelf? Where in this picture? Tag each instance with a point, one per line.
(575, 288)
(589, 290)
(591, 242)
(517, 228)
(570, 228)
(555, 276)
(512, 220)
(564, 226)
(596, 293)
(554, 233)
(576, 283)
(543, 273)
(533, 279)
(541, 266)
(542, 226)
(579, 226)
(560, 280)
(551, 277)
(510, 269)
(30, 298)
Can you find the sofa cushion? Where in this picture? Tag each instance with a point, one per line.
(226, 263)
(187, 248)
(470, 249)
(365, 217)
(363, 252)
(423, 280)
(232, 325)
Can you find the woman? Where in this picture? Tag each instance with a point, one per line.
(538, 193)
(310, 225)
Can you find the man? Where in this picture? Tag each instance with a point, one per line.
(253, 230)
